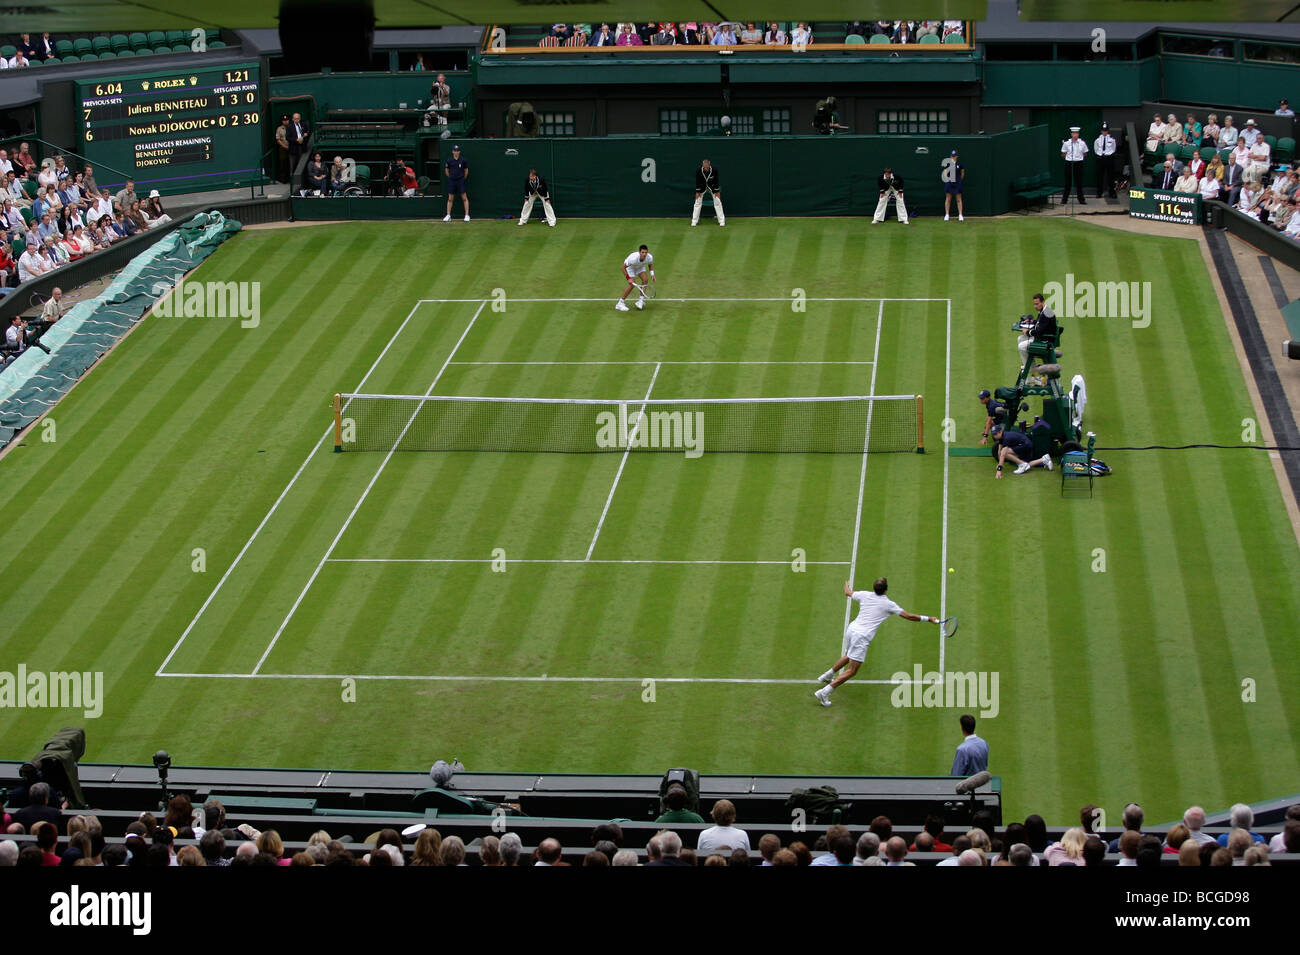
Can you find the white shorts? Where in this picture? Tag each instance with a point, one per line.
(857, 643)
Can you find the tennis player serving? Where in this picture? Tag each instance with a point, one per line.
(874, 608)
(636, 268)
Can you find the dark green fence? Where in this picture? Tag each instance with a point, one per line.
(761, 176)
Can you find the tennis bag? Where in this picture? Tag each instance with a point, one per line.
(819, 803)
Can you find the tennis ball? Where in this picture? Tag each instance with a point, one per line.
(952, 570)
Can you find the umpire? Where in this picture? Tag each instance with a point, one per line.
(706, 180)
(1072, 151)
(535, 188)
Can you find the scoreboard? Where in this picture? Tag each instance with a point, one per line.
(178, 131)
(1181, 207)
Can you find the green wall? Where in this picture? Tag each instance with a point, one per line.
(367, 90)
(761, 176)
(1070, 84)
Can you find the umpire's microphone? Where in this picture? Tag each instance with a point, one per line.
(973, 783)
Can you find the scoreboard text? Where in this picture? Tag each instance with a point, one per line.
(176, 132)
(1183, 207)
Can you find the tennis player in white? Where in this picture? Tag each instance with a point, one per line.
(874, 608)
(636, 267)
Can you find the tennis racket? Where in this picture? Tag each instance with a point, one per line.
(647, 290)
(948, 626)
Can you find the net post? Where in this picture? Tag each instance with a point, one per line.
(920, 425)
(338, 423)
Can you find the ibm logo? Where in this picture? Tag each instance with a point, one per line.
(1137, 194)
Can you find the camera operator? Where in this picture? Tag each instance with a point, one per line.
(825, 119)
(439, 102)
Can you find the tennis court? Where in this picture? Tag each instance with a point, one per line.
(509, 566)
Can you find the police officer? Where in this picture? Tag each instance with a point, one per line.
(1104, 149)
(1072, 151)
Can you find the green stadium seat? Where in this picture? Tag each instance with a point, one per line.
(19, 249)
(30, 186)
(62, 47)
(162, 49)
(138, 40)
(177, 36)
(100, 43)
(930, 38)
(875, 39)
(1187, 153)
(89, 57)
(216, 45)
(26, 214)
(72, 58)
(1272, 142)
(954, 38)
(853, 39)
(1207, 152)
(108, 55)
(119, 41)
(81, 45)
(157, 38)
(122, 53)
(34, 62)
(180, 48)
(1285, 150)
(8, 52)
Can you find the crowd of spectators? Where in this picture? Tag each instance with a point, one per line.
(1241, 172)
(749, 33)
(26, 49)
(52, 214)
(151, 842)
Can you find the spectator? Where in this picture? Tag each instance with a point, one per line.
(1234, 180)
(607, 848)
(1133, 817)
(670, 848)
(1209, 187)
(1210, 132)
(549, 852)
(774, 36)
(832, 833)
(1239, 840)
(1240, 816)
(18, 60)
(30, 265)
(627, 37)
(723, 834)
(903, 33)
(298, 134)
(725, 35)
(928, 28)
(317, 176)
(452, 851)
(440, 99)
(604, 36)
(269, 843)
(1256, 855)
(607, 832)
(596, 859)
(1229, 135)
(924, 842)
(126, 195)
(1129, 843)
(1186, 182)
(282, 150)
(1278, 842)
(511, 849)
(8, 266)
(768, 846)
(418, 65)
(785, 858)
(1283, 109)
(8, 853)
(1069, 849)
(882, 827)
(842, 850)
(896, 852)
(800, 35)
(1166, 174)
(1192, 131)
(1173, 131)
(971, 857)
(972, 753)
(38, 795)
(1197, 165)
(136, 215)
(647, 33)
(751, 35)
(1250, 134)
(624, 857)
(1155, 133)
(1022, 856)
(25, 159)
(1260, 157)
(868, 848)
(675, 799)
(934, 826)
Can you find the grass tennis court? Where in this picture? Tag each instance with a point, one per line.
(200, 434)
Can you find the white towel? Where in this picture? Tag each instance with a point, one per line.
(1080, 393)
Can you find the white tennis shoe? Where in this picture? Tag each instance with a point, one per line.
(945, 217)
(1022, 469)
(823, 696)
(447, 217)
(1047, 461)
(640, 303)
(620, 305)
(826, 677)
(467, 218)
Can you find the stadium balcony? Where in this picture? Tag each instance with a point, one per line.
(96, 47)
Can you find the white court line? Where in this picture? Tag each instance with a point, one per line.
(660, 298)
(626, 451)
(364, 494)
(544, 678)
(573, 560)
(943, 559)
(663, 363)
(292, 481)
(862, 479)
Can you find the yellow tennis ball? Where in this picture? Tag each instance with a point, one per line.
(952, 570)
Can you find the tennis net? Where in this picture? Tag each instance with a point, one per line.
(850, 424)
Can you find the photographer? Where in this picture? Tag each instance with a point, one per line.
(439, 102)
(891, 186)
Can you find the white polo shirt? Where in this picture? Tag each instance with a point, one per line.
(633, 264)
(873, 610)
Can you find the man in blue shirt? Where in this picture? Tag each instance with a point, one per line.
(972, 753)
(1016, 447)
(457, 170)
